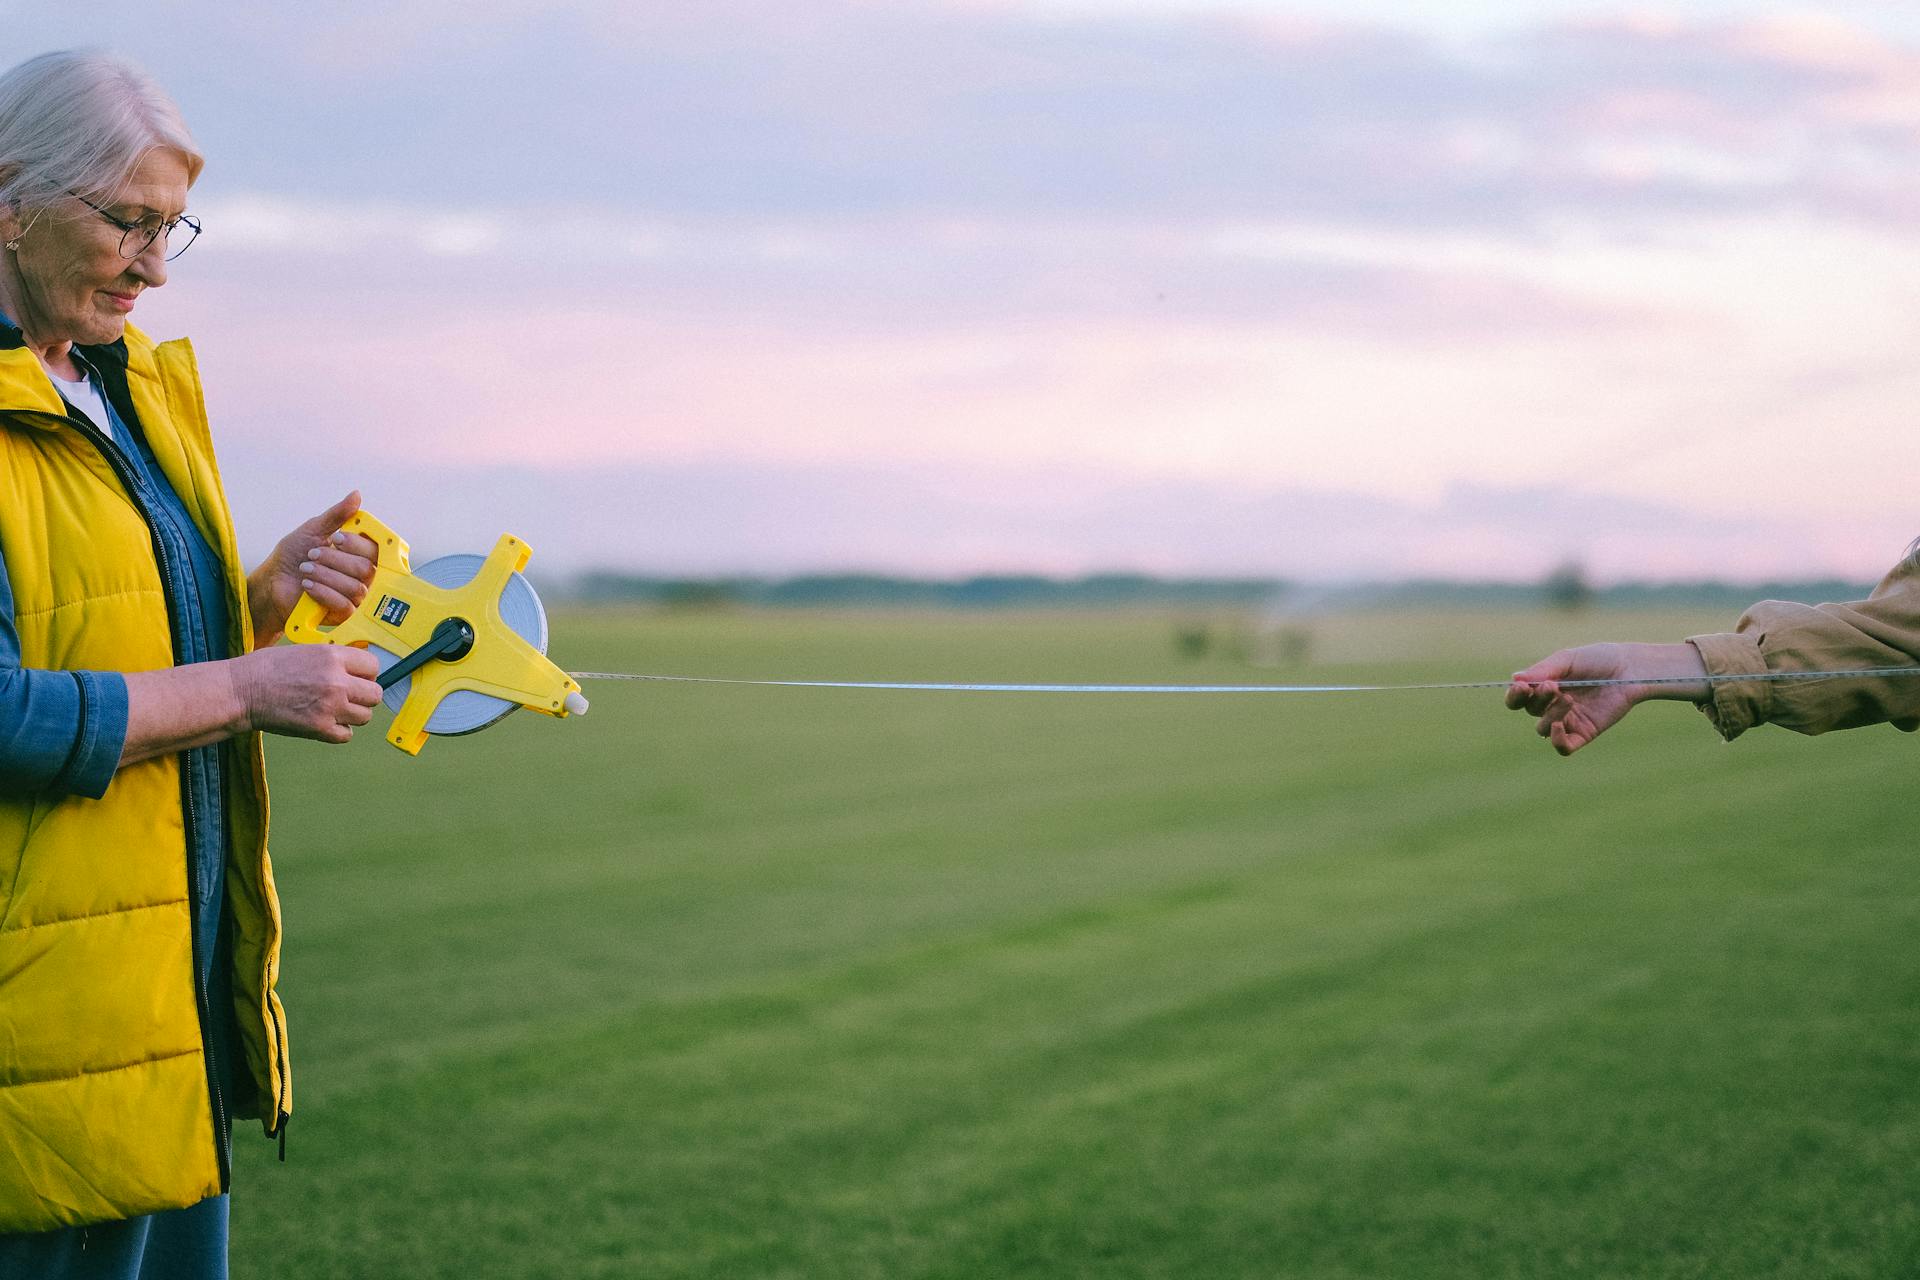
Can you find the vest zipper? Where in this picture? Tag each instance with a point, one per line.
(134, 486)
(281, 1114)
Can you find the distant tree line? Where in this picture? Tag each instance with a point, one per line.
(866, 590)
(1131, 590)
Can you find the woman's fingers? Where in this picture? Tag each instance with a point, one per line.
(344, 560)
(325, 575)
(1576, 729)
(1534, 699)
(1573, 728)
(337, 575)
(1555, 666)
(362, 697)
(338, 594)
(1566, 724)
(357, 545)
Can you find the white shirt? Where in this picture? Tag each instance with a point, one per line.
(85, 396)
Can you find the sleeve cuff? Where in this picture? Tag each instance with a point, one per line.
(1734, 706)
(103, 735)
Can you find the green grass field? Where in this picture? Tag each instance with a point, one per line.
(792, 983)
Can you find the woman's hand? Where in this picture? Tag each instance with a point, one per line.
(1571, 718)
(320, 691)
(319, 560)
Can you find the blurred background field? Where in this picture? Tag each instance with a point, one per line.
(762, 982)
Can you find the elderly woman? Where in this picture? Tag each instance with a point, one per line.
(1774, 636)
(139, 933)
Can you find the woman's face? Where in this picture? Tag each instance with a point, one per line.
(70, 282)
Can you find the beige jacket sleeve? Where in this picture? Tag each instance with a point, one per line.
(1776, 635)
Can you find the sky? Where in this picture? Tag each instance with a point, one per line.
(1317, 290)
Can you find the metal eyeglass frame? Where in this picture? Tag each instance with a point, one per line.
(129, 229)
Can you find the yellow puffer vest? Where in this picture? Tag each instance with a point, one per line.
(104, 1106)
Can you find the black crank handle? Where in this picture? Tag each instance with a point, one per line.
(452, 639)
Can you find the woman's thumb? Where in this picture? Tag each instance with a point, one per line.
(330, 520)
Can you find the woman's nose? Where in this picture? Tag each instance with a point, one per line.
(150, 268)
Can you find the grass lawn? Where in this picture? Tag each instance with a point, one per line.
(798, 983)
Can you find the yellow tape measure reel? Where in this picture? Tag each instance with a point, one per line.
(461, 642)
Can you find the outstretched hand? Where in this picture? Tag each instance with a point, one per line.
(1571, 718)
(316, 559)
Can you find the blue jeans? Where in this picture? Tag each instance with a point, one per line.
(181, 1244)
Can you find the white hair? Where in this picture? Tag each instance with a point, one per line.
(82, 120)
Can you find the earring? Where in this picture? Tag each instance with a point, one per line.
(13, 246)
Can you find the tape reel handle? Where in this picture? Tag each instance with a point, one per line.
(307, 623)
(393, 548)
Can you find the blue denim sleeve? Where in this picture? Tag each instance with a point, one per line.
(60, 731)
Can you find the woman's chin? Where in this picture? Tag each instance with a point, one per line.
(103, 329)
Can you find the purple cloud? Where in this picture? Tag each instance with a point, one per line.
(882, 110)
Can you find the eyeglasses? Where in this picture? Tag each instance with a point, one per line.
(137, 237)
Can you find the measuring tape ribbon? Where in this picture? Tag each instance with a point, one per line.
(958, 687)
